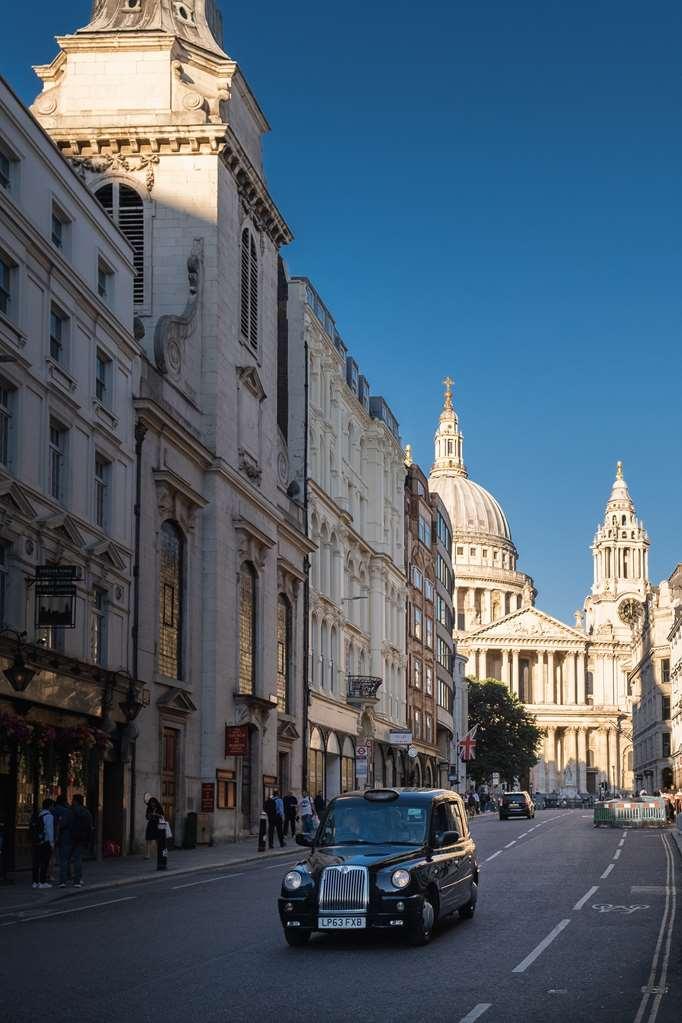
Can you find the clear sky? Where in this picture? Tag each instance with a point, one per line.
(490, 190)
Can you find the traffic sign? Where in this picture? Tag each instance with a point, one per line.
(412, 752)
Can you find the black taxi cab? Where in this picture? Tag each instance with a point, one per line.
(397, 859)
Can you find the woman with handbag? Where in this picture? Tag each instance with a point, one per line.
(153, 813)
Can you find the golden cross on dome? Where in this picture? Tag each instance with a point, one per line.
(448, 383)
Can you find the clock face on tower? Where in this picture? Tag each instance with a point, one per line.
(629, 611)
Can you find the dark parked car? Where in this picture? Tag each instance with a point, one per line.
(516, 804)
(398, 859)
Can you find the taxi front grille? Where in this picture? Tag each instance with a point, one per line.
(344, 889)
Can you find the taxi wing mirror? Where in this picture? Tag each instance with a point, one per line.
(306, 840)
(447, 838)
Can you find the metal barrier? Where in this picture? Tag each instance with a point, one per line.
(623, 813)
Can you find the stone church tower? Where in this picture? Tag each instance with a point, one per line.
(161, 124)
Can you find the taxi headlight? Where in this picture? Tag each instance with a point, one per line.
(400, 878)
(293, 880)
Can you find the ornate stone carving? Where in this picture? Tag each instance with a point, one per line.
(249, 465)
(103, 162)
(172, 332)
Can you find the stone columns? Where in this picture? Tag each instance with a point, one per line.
(483, 663)
(582, 760)
(551, 672)
(505, 669)
(539, 681)
(569, 660)
(582, 677)
(515, 672)
(550, 761)
(486, 607)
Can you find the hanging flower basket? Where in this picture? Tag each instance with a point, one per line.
(38, 740)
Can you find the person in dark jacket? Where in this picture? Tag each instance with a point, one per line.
(63, 816)
(274, 808)
(290, 812)
(153, 812)
(81, 834)
(320, 803)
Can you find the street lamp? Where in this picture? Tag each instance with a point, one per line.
(19, 675)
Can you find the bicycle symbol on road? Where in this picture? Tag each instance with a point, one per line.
(606, 907)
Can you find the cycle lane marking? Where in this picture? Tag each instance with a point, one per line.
(658, 989)
(588, 895)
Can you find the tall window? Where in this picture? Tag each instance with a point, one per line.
(103, 377)
(6, 408)
(99, 627)
(125, 207)
(102, 476)
(249, 289)
(283, 653)
(59, 228)
(247, 629)
(417, 678)
(7, 270)
(105, 281)
(171, 600)
(428, 680)
(58, 334)
(4, 576)
(57, 461)
(417, 623)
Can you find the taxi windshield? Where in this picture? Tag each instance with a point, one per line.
(361, 822)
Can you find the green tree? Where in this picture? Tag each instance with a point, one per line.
(508, 737)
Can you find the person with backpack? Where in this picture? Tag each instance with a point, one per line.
(81, 833)
(41, 831)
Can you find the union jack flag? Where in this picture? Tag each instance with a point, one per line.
(467, 745)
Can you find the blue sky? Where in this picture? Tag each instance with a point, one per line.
(491, 190)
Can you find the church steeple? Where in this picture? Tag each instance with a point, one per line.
(621, 545)
(198, 21)
(449, 442)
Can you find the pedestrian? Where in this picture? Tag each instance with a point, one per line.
(477, 802)
(307, 812)
(152, 813)
(290, 810)
(319, 803)
(41, 830)
(274, 808)
(81, 835)
(63, 816)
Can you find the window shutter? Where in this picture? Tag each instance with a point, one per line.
(253, 336)
(131, 223)
(245, 284)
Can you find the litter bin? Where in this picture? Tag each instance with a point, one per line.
(189, 835)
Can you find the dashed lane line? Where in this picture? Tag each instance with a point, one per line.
(75, 909)
(498, 853)
(539, 949)
(617, 853)
(208, 880)
(476, 1012)
(588, 895)
(607, 871)
(510, 844)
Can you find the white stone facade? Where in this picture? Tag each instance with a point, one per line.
(153, 113)
(675, 640)
(357, 579)
(70, 367)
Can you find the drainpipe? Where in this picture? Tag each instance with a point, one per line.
(306, 586)
(140, 432)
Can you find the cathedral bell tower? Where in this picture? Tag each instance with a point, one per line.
(448, 441)
(621, 562)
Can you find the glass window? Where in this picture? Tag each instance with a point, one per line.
(665, 671)
(460, 550)
(358, 820)
(429, 632)
(424, 531)
(666, 744)
(283, 654)
(57, 461)
(59, 227)
(416, 577)
(105, 278)
(247, 629)
(428, 684)
(418, 619)
(5, 170)
(99, 627)
(226, 794)
(102, 479)
(6, 282)
(4, 579)
(249, 289)
(428, 589)
(171, 599)
(420, 489)
(58, 334)
(417, 673)
(126, 209)
(665, 708)
(417, 717)
(6, 409)
(428, 721)
(103, 377)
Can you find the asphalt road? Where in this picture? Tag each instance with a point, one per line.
(572, 924)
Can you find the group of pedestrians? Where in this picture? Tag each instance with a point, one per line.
(65, 831)
(284, 812)
(673, 804)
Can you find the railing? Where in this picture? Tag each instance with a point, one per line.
(363, 687)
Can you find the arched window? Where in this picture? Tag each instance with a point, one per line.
(126, 209)
(283, 654)
(171, 599)
(247, 629)
(249, 290)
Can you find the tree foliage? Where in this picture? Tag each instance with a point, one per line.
(508, 737)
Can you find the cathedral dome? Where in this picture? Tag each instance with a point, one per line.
(472, 509)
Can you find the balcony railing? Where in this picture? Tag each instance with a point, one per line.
(363, 687)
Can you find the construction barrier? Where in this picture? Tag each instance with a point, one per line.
(630, 813)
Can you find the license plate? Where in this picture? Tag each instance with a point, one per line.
(341, 923)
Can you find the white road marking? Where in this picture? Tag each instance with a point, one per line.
(607, 871)
(588, 895)
(667, 923)
(617, 853)
(625, 834)
(510, 844)
(539, 949)
(208, 880)
(621, 843)
(498, 853)
(76, 909)
(476, 1012)
(523, 834)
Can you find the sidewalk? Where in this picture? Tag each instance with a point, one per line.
(126, 870)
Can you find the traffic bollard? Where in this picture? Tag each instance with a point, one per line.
(262, 831)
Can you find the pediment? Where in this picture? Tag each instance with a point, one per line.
(63, 526)
(287, 730)
(529, 623)
(108, 552)
(178, 700)
(12, 496)
(249, 376)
